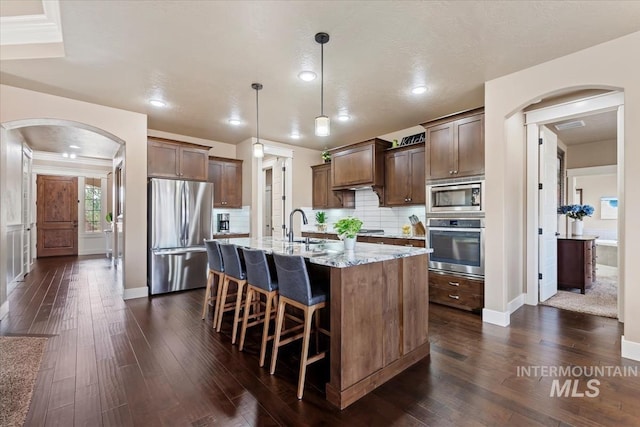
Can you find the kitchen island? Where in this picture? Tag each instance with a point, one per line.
(378, 310)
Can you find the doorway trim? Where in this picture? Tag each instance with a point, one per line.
(613, 101)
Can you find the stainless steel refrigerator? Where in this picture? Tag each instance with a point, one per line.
(180, 218)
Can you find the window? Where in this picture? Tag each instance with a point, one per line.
(561, 177)
(92, 205)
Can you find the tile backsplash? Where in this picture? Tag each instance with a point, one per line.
(390, 220)
(239, 219)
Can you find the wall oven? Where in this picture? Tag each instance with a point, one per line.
(455, 198)
(458, 245)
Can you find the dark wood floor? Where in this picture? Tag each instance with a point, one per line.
(154, 362)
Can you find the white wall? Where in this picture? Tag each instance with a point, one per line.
(20, 104)
(599, 153)
(592, 67)
(593, 188)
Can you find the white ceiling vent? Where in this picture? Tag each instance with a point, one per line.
(570, 125)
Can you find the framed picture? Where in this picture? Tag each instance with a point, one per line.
(608, 208)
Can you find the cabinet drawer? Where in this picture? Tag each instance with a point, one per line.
(455, 283)
(456, 298)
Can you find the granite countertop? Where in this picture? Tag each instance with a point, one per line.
(331, 253)
(381, 235)
(572, 237)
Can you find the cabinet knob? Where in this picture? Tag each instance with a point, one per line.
(455, 172)
(450, 172)
(454, 296)
(454, 283)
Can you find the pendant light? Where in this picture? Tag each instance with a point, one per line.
(322, 121)
(258, 148)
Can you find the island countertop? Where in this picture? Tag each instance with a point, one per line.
(331, 253)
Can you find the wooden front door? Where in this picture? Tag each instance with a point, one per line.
(57, 215)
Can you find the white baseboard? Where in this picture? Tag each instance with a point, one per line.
(132, 293)
(516, 303)
(500, 318)
(630, 349)
(4, 309)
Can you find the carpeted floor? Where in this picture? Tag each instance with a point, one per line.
(20, 359)
(601, 299)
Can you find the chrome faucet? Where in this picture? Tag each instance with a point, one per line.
(304, 221)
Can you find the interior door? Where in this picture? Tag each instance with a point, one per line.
(57, 207)
(548, 216)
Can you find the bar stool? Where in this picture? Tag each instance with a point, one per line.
(259, 282)
(233, 272)
(295, 289)
(216, 271)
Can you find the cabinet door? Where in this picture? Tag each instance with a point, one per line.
(439, 153)
(417, 179)
(232, 184)
(215, 177)
(353, 166)
(320, 190)
(163, 160)
(397, 171)
(193, 163)
(469, 147)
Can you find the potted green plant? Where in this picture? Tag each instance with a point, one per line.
(326, 156)
(347, 229)
(321, 221)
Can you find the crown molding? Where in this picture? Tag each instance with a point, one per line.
(84, 161)
(37, 35)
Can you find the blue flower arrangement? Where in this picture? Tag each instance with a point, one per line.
(576, 211)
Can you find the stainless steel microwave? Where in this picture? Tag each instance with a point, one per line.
(455, 198)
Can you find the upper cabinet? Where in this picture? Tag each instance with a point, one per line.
(323, 196)
(177, 160)
(359, 165)
(226, 176)
(455, 146)
(404, 182)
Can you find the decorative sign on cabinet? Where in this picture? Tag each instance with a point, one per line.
(177, 160)
(226, 176)
(455, 145)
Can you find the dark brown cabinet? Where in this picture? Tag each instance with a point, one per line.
(323, 197)
(359, 165)
(455, 291)
(404, 182)
(455, 146)
(576, 263)
(226, 176)
(177, 160)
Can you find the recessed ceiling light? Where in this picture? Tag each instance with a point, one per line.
(234, 122)
(419, 89)
(157, 103)
(72, 155)
(307, 76)
(65, 154)
(344, 117)
(295, 135)
(73, 146)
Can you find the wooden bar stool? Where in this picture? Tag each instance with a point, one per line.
(295, 290)
(215, 277)
(259, 283)
(233, 272)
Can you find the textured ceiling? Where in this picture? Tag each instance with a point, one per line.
(60, 139)
(597, 127)
(201, 58)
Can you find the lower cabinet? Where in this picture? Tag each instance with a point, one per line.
(456, 291)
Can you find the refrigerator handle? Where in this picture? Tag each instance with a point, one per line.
(187, 210)
(183, 213)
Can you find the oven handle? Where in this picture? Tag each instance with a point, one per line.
(473, 230)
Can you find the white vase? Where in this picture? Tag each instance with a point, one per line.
(349, 243)
(577, 227)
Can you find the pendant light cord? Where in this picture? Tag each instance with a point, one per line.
(257, 118)
(322, 79)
